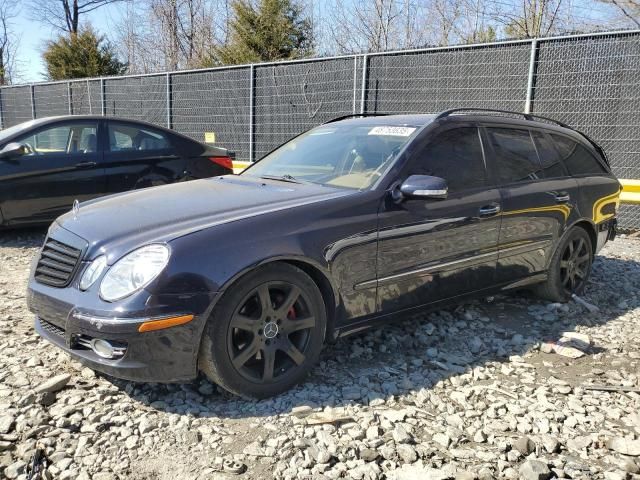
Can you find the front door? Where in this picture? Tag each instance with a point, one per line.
(62, 165)
(431, 250)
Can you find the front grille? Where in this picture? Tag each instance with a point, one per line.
(51, 328)
(57, 263)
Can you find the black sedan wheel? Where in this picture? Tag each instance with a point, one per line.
(570, 267)
(266, 333)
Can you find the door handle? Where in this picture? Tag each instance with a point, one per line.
(86, 164)
(489, 210)
(562, 197)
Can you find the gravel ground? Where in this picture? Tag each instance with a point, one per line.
(462, 393)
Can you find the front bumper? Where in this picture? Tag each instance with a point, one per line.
(168, 355)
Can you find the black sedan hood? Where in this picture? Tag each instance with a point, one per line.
(163, 213)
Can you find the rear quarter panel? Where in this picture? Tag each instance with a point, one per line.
(598, 201)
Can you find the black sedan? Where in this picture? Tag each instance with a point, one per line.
(245, 277)
(48, 163)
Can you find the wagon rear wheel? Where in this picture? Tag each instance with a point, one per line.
(570, 267)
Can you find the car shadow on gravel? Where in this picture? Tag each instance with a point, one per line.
(31, 237)
(400, 362)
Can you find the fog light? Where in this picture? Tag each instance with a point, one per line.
(105, 349)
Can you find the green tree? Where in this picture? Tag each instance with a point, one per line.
(79, 55)
(266, 31)
(483, 35)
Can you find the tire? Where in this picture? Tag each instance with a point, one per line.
(570, 267)
(256, 348)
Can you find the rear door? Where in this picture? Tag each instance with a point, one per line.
(431, 250)
(536, 197)
(63, 165)
(138, 156)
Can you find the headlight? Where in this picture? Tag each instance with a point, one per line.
(93, 272)
(133, 271)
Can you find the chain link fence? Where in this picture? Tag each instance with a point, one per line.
(591, 82)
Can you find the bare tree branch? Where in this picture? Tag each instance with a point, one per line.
(8, 42)
(626, 11)
(64, 15)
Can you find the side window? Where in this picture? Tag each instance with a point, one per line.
(578, 159)
(516, 158)
(551, 165)
(127, 138)
(456, 156)
(76, 138)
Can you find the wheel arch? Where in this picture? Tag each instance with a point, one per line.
(316, 272)
(589, 227)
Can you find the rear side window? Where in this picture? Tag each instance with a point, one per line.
(456, 156)
(549, 159)
(578, 160)
(124, 137)
(516, 158)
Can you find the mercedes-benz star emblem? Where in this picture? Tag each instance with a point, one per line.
(75, 208)
(270, 330)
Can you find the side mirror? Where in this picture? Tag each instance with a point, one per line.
(424, 186)
(12, 150)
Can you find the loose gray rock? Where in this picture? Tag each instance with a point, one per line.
(54, 384)
(624, 446)
(6, 423)
(524, 445)
(15, 469)
(406, 453)
(535, 470)
(400, 435)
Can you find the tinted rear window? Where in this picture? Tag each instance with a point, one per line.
(549, 159)
(578, 160)
(516, 158)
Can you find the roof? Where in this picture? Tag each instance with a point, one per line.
(475, 114)
(414, 120)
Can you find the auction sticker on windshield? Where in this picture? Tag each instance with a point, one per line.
(392, 131)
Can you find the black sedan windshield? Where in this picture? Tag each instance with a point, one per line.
(342, 155)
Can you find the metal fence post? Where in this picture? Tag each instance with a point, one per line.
(355, 82)
(69, 98)
(363, 97)
(532, 73)
(252, 109)
(103, 100)
(1, 110)
(33, 103)
(168, 105)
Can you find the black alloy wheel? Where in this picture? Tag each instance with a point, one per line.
(575, 263)
(266, 333)
(569, 268)
(269, 333)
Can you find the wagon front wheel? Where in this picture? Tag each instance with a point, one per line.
(266, 333)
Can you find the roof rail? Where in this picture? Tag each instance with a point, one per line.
(353, 115)
(527, 116)
(531, 117)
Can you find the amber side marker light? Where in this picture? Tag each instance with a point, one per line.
(163, 323)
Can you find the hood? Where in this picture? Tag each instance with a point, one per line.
(160, 214)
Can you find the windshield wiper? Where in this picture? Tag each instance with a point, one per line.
(285, 178)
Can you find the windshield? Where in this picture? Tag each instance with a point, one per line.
(7, 132)
(342, 155)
